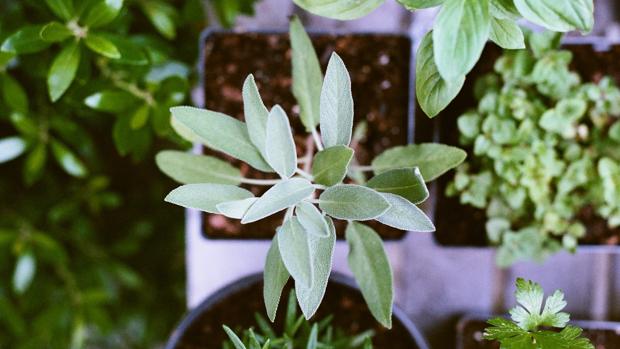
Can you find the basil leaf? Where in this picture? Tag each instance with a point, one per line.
(413, 5)
(190, 168)
(336, 104)
(285, 194)
(206, 196)
(560, 16)
(330, 165)
(352, 202)
(507, 34)
(504, 9)
(63, 71)
(339, 9)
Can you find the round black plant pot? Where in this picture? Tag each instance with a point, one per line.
(235, 305)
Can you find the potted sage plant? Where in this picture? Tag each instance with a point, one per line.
(314, 188)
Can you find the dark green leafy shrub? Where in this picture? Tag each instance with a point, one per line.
(546, 147)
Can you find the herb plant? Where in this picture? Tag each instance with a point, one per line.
(546, 151)
(529, 328)
(304, 243)
(297, 333)
(451, 49)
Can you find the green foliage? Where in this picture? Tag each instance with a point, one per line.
(304, 243)
(530, 318)
(545, 152)
(297, 333)
(461, 30)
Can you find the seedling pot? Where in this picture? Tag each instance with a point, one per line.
(602, 334)
(464, 226)
(235, 305)
(381, 71)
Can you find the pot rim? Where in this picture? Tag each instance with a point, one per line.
(252, 279)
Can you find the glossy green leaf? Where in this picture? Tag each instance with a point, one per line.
(13, 94)
(35, 163)
(5, 58)
(353, 202)
(371, 268)
(432, 91)
(68, 161)
(162, 16)
(235, 209)
(311, 219)
(112, 101)
(206, 196)
(24, 124)
(507, 34)
(24, 272)
(236, 341)
(321, 256)
(404, 215)
(336, 104)
(189, 168)
(280, 150)
(432, 159)
(561, 16)
(55, 32)
(25, 40)
(63, 71)
(11, 148)
(221, 132)
(62, 8)
(275, 278)
(139, 117)
(256, 114)
(307, 75)
(102, 13)
(102, 46)
(295, 251)
(412, 5)
(131, 52)
(330, 165)
(339, 9)
(460, 32)
(405, 182)
(285, 194)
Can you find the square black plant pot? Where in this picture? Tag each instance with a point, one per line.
(464, 226)
(381, 69)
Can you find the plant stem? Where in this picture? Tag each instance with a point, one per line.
(257, 181)
(319, 186)
(317, 139)
(304, 174)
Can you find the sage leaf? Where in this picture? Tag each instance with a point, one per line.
(235, 209)
(62, 8)
(433, 92)
(67, 160)
(206, 196)
(236, 341)
(285, 194)
(221, 132)
(11, 148)
(371, 268)
(26, 40)
(353, 202)
(321, 255)
(329, 166)
(63, 70)
(404, 215)
(507, 34)
(405, 182)
(412, 5)
(560, 16)
(102, 13)
(307, 75)
(460, 32)
(55, 32)
(102, 46)
(311, 219)
(25, 270)
(432, 159)
(188, 168)
(280, 146)
(336, 105)
(295, 252)
(255, 114)
(275, 277)
(339, 9)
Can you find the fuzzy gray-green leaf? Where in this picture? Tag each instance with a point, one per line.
(189, 168)
(235, 209)
(295, 251)
(206, 196)
(406, 182)
(311, 219)
(353, 202)
(371, 268)
(329, 166)
(275, 278)
(404, 215)
(285, 194)
(336, 107)
(280, 148)
(255, 114)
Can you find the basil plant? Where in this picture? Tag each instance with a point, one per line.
(547, 152)
(461, 30)
(313, 189)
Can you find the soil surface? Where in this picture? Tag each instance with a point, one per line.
(464, 225)
(472, 337)
(350, 313)
(379, 69)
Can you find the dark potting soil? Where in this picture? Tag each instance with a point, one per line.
(350, 313)
(379, 69)
(472, 337)
(464, 225)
